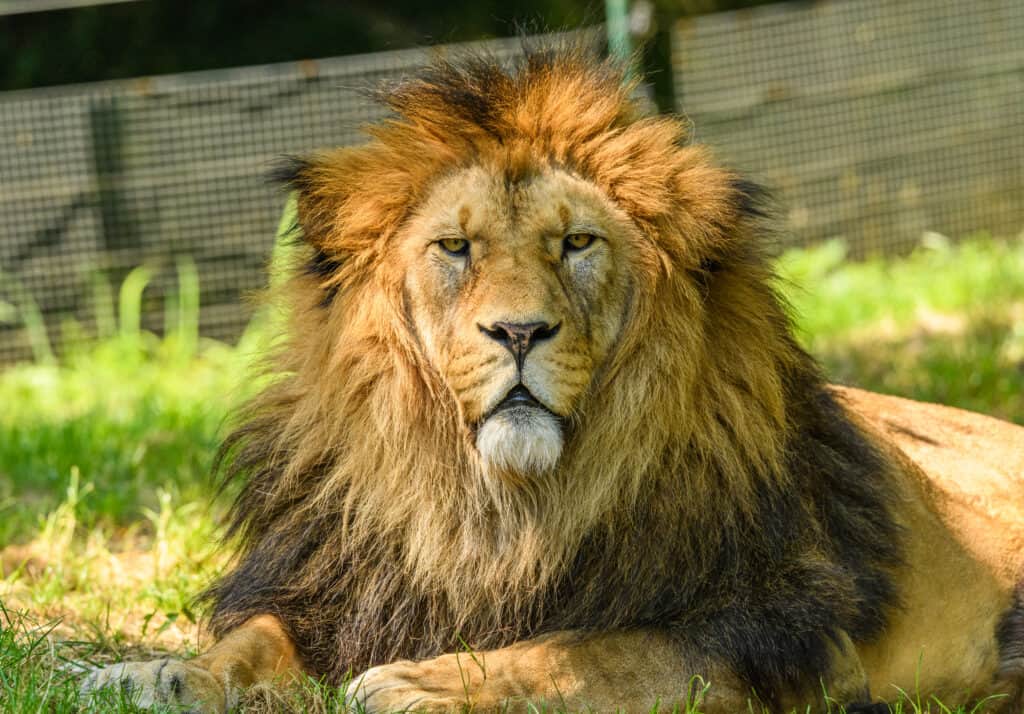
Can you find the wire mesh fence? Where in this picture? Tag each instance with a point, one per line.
(98, 179)
(873, 121)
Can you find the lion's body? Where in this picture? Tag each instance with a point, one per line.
(960, 628)
(540, 398)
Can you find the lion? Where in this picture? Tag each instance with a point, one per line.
(541, 435)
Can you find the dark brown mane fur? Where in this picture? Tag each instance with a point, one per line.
(737, 506)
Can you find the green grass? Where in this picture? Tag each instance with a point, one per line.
(133, 413)
(945, 324)
(107, 529)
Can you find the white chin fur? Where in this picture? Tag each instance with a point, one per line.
(520, 440)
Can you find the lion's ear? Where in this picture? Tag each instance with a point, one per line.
(743, 223)
(317, 200)
(750, 200)
(736, 214)
(319, 193)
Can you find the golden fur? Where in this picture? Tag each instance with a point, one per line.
(706, 505)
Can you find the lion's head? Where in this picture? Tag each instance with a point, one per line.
(517, 242)
(530, 328)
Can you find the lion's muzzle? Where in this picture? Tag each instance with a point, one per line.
(520, 435)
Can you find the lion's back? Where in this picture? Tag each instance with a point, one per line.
(974, 462)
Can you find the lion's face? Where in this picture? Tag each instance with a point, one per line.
(517, 292)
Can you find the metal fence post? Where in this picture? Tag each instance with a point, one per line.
(617, 26)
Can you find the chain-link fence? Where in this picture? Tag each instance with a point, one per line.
(872, 120)
(875, 121)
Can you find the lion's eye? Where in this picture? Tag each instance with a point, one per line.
(577, 242)
(455, 246)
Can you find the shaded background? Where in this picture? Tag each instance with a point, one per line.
(167, 36)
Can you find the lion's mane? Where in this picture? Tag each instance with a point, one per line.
(712, 485)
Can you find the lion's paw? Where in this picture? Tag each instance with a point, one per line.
(406, 687)
(164, 682)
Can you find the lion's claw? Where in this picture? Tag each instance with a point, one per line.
(162, 682)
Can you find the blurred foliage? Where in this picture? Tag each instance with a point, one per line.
(165, 36)
(134, 413)
(944, 324)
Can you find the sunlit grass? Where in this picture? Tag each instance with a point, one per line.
(833, 298)
(107, 527)
(135, 414)
(945, 324)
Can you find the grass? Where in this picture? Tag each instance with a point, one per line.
(945, 324)
(107, 529)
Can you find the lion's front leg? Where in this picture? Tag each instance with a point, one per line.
(257, 651)
(614, 671)
(629, 671)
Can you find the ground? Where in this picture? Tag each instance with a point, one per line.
(108, 527)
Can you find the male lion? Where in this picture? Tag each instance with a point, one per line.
(540, 401)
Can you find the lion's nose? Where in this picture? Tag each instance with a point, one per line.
(520, 337)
